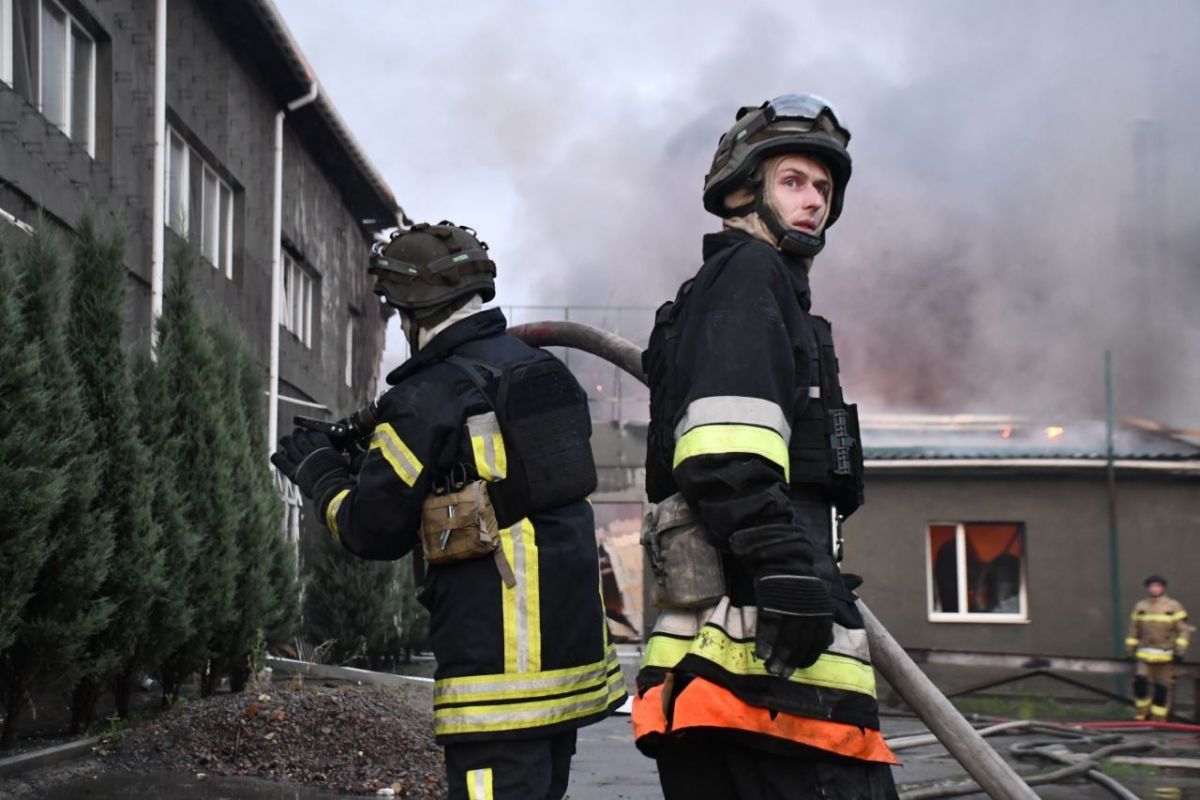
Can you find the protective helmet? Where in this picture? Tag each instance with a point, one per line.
(423, 270)
(800, 124)
(1155, 578)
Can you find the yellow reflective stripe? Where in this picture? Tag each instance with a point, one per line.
(479, 784)
(1181, 642)
(491, 460)
(404, 462)
(831, 670)
(1132, 642)
(1142, 702)
(1153, 656)
(493, 688)
(722, 439)
(331, 512)
(1174, 616)
(521, 604)
(1159, 711)
(516, 716)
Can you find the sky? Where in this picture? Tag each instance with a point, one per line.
(1025, 189)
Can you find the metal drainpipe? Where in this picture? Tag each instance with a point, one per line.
(277, 262)
(158, 200)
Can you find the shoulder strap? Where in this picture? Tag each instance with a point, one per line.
(470, 366)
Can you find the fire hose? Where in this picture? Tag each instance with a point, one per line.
(976, 756)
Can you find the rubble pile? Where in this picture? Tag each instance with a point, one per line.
(346, 739)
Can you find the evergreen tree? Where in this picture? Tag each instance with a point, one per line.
(66, 611)
(127, 644)
(172, 623)
(258, 513)
(33, 486)
(414, 617)
(192, 381)
(351, 602)
(283, 607)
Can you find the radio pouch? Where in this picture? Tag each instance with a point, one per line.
(461, 525)
(687, 568)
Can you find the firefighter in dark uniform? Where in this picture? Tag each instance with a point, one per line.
(479, 462)
(756, 681)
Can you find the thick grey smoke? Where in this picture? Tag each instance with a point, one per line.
(1025, 189)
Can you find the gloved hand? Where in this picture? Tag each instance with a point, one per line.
(795, 610)
(795, 621)
(309, 460)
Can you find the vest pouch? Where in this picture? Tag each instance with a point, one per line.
(460, 526)
(687, 569)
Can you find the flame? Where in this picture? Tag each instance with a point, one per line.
(1006, 432)
(1054, 431)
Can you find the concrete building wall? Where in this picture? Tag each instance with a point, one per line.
(1065, 518)
(225, 108)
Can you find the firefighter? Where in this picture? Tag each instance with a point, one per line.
(756, 681)
(479, 463)
(1158, 637)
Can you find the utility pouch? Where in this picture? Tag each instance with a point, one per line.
(461, 525)
(687, 568)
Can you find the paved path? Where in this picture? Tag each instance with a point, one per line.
(608, 767)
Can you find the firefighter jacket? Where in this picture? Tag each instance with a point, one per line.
(743, 388)
(1158, 630)
(515, 662)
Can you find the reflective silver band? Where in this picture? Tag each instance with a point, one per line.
(742, 623)
(731, 409)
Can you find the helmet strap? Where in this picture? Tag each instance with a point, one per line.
(791, 241)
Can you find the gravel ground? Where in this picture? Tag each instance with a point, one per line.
(345, 738)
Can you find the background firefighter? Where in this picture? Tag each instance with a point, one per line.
(1158, 637)
(480, 464)
(765, 691)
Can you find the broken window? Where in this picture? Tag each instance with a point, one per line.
(976, 572)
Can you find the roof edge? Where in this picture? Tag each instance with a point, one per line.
(329, 113)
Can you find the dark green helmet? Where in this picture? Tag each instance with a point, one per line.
(800, 124)
(427, 268)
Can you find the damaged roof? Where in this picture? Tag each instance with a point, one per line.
(978, 437)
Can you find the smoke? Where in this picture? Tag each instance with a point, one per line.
(1025, 180)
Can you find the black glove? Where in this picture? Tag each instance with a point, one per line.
(795, 621)
(310, 461)
(795, 611)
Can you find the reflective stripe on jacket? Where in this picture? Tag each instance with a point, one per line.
(520, 661)
(700, 701)
(1158, 630)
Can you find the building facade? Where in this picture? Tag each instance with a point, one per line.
(78, 110)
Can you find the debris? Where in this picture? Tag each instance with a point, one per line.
(347, 739)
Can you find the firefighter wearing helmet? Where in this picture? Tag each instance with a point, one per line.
(1158, 638)
(479, 464)
(756, 681)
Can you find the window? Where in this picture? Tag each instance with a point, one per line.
(177, 183)
(350, 325)
(48, 57)
(297, 300)
(977, 572)
(191, 182)
(6, 41)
